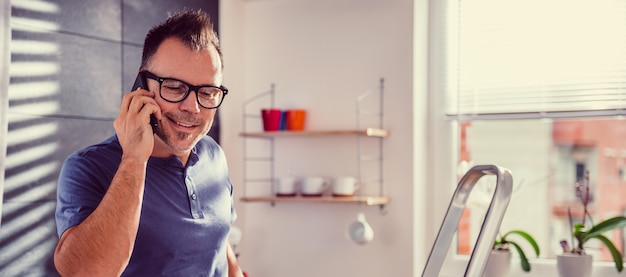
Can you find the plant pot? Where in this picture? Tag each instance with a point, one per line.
(574, 265)
(499, 264)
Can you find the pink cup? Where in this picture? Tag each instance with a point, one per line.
(271, 119)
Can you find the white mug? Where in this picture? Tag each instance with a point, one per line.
(360, 231)
(285, 186)
(314, 186)
(344, 186)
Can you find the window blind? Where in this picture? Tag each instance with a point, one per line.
(535, 58)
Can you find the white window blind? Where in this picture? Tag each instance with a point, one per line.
(536, 58)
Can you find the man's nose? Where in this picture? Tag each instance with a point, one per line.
(190, 103)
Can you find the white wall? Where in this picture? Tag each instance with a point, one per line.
(321, 55)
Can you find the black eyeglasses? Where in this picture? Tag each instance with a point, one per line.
(174, 91)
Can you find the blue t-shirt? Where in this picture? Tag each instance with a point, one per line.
(186, 213)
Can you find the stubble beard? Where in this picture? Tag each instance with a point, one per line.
(177, 141)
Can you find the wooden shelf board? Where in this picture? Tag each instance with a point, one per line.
(367, 200)
(370, 132)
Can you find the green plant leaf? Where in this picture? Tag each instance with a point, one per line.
(523, 260)
(526, 236)
(606, 225)
(495, 244)
(617, 256)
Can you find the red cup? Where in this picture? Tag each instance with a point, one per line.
(271, 119)
(295, 120)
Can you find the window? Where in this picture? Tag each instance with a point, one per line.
(539, 87)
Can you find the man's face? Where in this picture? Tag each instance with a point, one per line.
(183, 123)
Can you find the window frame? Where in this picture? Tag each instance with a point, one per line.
(442, 134)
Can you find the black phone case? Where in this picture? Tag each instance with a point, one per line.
(140, 82)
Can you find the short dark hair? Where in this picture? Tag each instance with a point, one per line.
(193, 28)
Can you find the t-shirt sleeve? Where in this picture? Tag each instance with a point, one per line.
(81, 187)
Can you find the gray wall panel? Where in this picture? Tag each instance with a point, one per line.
(37, 147)
(26, 244)
(87, 18)
(140, 15)
(131, 61)
(81, 76)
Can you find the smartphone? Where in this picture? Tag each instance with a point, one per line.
(140, 82)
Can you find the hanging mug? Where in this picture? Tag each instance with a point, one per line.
(360, 231)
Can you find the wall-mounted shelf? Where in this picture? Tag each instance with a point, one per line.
(375, 156)
(369, 132)
(365, 200)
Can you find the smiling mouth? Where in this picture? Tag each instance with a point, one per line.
(183, 124)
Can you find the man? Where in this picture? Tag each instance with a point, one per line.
(155, 203)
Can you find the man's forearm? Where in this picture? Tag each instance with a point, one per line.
(233, 267)
(102, 244)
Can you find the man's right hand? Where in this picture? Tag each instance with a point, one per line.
(132, 124)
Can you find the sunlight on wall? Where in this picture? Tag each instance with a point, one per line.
(37, 6)
(34, 89)
(32, 69)
(32, 25)
(32, 140)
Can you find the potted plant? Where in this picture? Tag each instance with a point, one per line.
(585, 231)
(500, 257)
